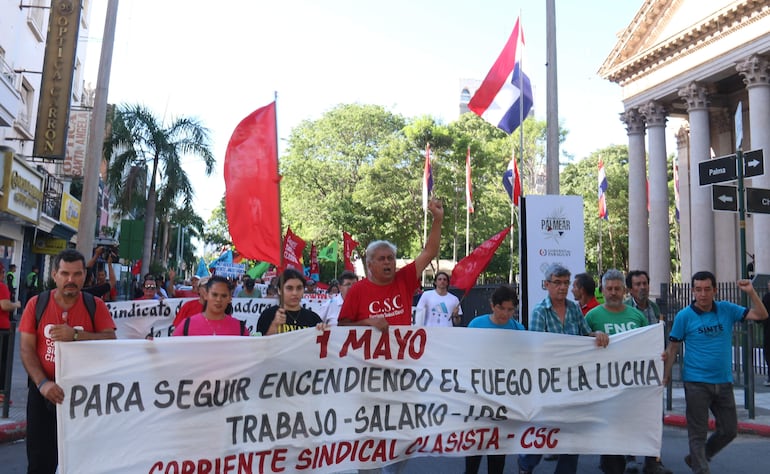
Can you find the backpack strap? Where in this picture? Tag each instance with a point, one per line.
(243, 327)
(44, 297)
(90, 302)
(40, 305)
(186, 327)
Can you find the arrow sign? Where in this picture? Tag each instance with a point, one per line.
(718, 170)
(753, 163)
(758, 200)
(724, 198)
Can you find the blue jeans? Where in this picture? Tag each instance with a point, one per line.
(720, 400)
(567, 463)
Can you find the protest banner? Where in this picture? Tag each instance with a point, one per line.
(140, 318)
(347, 398)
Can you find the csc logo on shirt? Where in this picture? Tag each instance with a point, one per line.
(386, 306)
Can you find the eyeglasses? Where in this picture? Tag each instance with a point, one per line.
(558, 282)
(146, 287)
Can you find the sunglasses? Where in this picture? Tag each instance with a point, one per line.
(149, 287)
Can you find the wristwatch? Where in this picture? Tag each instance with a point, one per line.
(75, 336)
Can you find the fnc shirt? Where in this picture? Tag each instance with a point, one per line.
(392, 302)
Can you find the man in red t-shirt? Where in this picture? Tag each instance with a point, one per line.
(384, 298)
(65, 319)
(7, 307)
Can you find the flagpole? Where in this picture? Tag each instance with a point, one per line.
(521, 145)
(467, 205)
(278, 179)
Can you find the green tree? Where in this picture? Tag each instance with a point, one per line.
(581, 179)
(141, 144)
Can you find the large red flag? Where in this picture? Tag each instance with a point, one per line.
(468, 269)
(293, 247)
(252, 187)
(348, 247)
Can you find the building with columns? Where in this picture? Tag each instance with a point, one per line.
(692, 62)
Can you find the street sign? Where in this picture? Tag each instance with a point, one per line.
(718, 170)
(724, 198)
(758, 200)
(753, 163)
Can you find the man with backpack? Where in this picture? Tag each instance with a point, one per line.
(61, 315)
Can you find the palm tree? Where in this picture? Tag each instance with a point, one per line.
(141, 142)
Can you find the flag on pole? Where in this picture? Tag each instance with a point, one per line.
(427, 179)
(506, 89)
(252, 187)
(468, 185)
(676, 189)
(315, 271)
(603, 213)
(348, 246)
(328, 253)
(467, 270)
(202, 270)
(512, 181)
(293, 246)
(258, 270)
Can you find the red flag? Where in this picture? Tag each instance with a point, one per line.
(516, 183)
(252, 187)
(293, 247)
(137, 268)
(468, 269)
(315, 271)
(348, 245)
(468, 187)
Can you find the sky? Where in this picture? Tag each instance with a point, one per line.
(219, 61)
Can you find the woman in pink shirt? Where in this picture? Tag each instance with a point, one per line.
(214, 320)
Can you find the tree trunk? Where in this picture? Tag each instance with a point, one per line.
(149, 219)
(164, 246)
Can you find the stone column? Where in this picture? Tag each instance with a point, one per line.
(660, 251)
(701, 213)
(756, 75)
(685, 236)
(638, 235)
(727, 257)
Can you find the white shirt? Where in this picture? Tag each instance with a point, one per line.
(438, 308)
(330, 312)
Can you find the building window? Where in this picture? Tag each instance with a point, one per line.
(23, 123)
(36, 17)
(465, 96)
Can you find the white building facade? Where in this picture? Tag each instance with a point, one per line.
(696, 61)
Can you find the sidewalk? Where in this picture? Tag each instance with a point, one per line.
(14, 427)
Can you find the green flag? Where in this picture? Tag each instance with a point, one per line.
(328, 253)
(258, 270)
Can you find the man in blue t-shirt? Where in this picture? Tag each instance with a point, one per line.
(706, 328)
(504, 302)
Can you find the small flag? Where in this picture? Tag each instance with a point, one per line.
(315, 271)
(427, 179)
(506, 89)
(603, 213)
(348, 246)
(676, 189)
(467, 270)
(512, 181)
(328, 253)
(203, 270)
(258, 270)
(293, 246)
(468, 186)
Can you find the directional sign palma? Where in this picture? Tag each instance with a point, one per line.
(717, 170)
(724, 198)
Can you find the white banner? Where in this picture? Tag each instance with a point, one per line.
(310, 401)
(140, 318)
